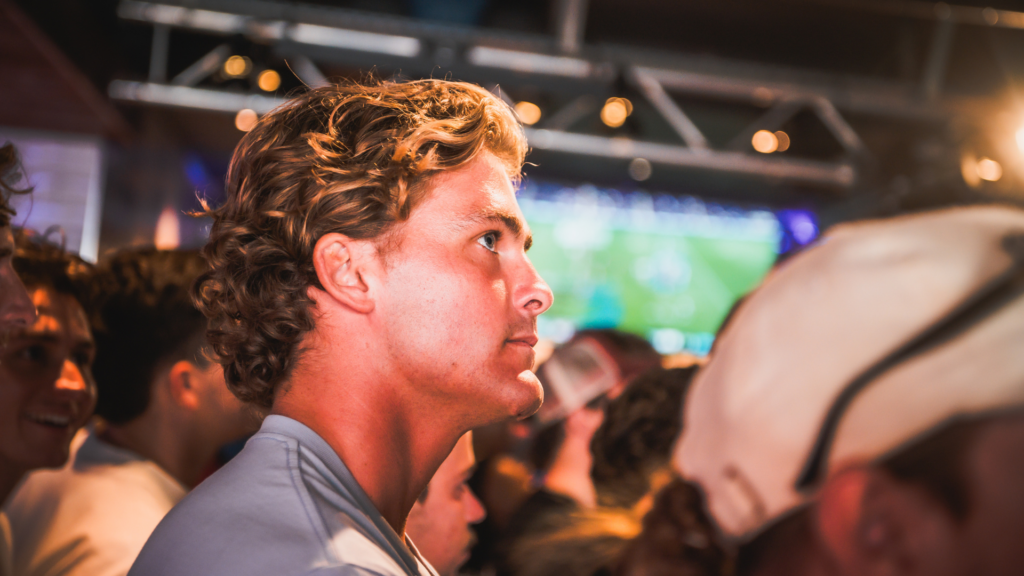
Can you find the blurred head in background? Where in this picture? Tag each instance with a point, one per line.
(15, 305)
(47, 390)
(677, 539)
(440, 521)
(159, 393)
(633, 447)
(863, 412)
(579, 379)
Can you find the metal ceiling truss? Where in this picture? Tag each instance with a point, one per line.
(308, 33)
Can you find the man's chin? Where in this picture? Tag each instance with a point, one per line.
(529, 397)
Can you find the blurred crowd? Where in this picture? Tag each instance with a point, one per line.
(860, 413)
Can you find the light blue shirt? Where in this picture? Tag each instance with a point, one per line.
(286, 505)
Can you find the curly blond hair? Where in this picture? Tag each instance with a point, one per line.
(348, 158)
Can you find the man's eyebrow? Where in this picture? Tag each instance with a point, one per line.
(509, 220)
(48, 336)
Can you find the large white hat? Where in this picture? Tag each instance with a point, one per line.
(883, 332)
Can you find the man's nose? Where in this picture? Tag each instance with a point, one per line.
(533, 294)
(71, 378)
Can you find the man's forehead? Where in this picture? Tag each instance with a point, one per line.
(57, 312)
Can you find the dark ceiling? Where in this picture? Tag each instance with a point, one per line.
(867, 40)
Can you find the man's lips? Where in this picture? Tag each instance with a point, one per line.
(527, 339)
(53, 420)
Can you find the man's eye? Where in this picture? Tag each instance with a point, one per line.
(82, 359)
(34, 353)
(489, 241)
(459, 490)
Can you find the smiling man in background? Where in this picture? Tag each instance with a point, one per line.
(46, 386)
(165, 409)
(369, 288)
(16, 308)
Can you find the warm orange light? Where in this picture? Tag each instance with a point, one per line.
(615, 111)
(988, 169)
(237, 66)
(269, 80)
(783, 139)
(246, 119)
(168, 230)
(528, 112)
(764, 142)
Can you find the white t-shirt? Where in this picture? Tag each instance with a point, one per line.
(92, 517)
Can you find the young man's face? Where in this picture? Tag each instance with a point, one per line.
(439, 526)
(460, 298)
(16, 308)
(46, 387)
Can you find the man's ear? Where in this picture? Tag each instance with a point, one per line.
(341, 264)
(872, 523)
(183, 384)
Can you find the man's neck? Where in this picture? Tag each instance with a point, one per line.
(390, 443)
(160, 440)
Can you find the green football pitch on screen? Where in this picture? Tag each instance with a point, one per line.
(668, 270)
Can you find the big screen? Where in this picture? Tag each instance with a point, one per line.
(665, 267)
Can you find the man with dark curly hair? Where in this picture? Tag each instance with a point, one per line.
(165, 411)
(46, 387)
(16, 308)
(369, 289)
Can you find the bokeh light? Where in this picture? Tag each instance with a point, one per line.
(783, 139)
(528, 112)
(764, 142)
(269, 80)
(640, 169)
(615, 111)
(237, 66)
(168, 230)
(246, 119)
(990, 170)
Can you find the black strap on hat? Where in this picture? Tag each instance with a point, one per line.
(981, 304)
